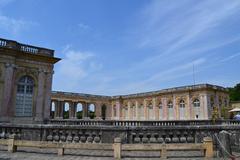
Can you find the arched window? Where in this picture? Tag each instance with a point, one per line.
(196, 103)
(24, 97)
(53, 110)
(66, 110)
(79, 110)
(91, 111)
(182, 104)
(126, 112)
(181, 109)
(170, 105)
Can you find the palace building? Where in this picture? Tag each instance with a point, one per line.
(26, 94)
(25, 82)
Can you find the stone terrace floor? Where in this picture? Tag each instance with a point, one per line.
(51, 154)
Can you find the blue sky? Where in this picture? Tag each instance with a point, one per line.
(119, 47)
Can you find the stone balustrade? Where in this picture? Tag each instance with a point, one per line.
(4, 43)
(117, 147)
(107, 133)
(141, 123)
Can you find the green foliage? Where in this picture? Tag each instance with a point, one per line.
(65, 115)
(235, 93)
(79, 115)
(91, 114)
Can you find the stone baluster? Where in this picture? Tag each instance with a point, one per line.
(97, 138)
(56, 136)
(153, 138)
(63, 136)
(183, 138)
(160, 138)
(82, 137)
(76, 137)
(90, 137)
(69, 137)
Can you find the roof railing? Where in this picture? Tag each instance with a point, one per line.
(4, 43)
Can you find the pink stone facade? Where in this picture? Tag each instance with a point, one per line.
(20, 60)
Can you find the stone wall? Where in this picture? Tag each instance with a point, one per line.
(16, 61)
(105, 133)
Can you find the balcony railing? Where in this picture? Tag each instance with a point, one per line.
(141, 123)
(4, 43)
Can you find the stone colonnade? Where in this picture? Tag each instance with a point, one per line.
(59, 107)
(183, 106)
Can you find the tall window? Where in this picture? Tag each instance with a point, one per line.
(196, 105)
(126, 112)
(170, 110)
(24, 97)
(181, 109)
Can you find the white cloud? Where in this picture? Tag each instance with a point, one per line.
(14, 26)
(169, 74)
(83, 26)
(75, 68)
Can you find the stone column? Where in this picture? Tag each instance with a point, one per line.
(71, 110)
(118, 109)
(155, 112)
(175, 109)
(75, 109)
(203, 105)
(137, 111)
(189, 107)
(129, 111)
(40, 96)
(145, 109)
(85, 110)
(165, 108)
(112, 113)
(98, 111)
(56, 109)
(47, 93)
(8, 92)
(61, 109)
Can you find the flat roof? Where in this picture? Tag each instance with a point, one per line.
(169, 90)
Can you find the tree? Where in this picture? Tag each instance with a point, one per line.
(235, 93)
